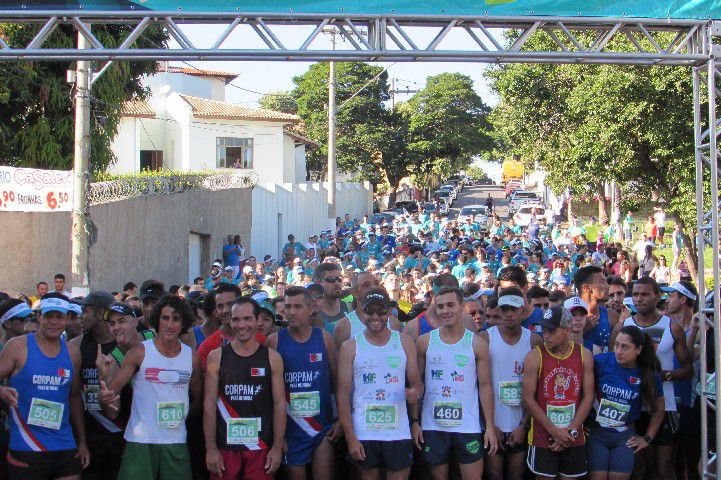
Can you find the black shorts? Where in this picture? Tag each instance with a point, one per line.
(570, 462)
(504, 449)
(667, 434)
(27, 465)
(106, 453)
(391, 455)
(463, 447)
(661, 231)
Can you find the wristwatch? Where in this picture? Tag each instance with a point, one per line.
(414, 420)
(648, 439)
(573, 432)
(667, 376)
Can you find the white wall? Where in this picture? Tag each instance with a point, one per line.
(303, 210)
(203, 87)
(125, 146)
(300, 164)
(288, 160)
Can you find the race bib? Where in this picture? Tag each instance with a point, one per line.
(242, 431)
(44, 413)
(561, 415)
(91, 397)
(170, 414)
(612, 414)
(448, 414)
(305, 404)
(381, 417)
(509, 393)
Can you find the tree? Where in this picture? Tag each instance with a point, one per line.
(477, 174)
(280, 101)
(589, 124)
(36, 102)
(448, 124)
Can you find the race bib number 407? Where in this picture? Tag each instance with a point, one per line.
(612, 414)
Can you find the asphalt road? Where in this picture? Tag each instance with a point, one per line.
(477, 194)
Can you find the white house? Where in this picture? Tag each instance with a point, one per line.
(186, 125)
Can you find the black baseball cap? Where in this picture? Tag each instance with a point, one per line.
(123, 309)
(150, 289)
(377, 296)
(554, 317)
(97, 298)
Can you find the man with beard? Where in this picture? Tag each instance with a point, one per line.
(218, 303)
(330, 277)
(616, 293)
(150, 293)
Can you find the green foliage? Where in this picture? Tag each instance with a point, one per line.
(436, 132)
(37, 104)
(280, 101)
(588, 124)
(476, 173)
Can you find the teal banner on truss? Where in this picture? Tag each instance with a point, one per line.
(677, 9)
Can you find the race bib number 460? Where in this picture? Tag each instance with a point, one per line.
(561, 415)
(304, 404)
(612, 414)
(44, 413)
(381, 417)
(448, 414)
(242, 431)
(171, 414)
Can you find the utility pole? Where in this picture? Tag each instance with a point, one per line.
(81, 173)
(331, 134)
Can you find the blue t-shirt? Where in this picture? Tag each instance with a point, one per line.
(618, 392)
(231, 253)
(532, 322)
(600, 334)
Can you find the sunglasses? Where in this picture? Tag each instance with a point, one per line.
(380, 311)
(332, 279)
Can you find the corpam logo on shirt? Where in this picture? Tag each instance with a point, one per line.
(257, 372)
(315, 357)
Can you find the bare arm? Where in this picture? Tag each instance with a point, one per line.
(345, 384)
(587, 392)
(109, 397)
(279, 412)
(213, 459)
(77, 408)
(332, 360)
(685, 371)
(529, 384)
(196, 385)
(613, 317)
(272, 341)
(412, 329)
(485, 391)
(341, 333)
(414, 391)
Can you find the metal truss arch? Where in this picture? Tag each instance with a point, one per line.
(391, 38)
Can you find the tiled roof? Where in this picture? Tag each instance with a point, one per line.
(293, 133)
(227, 76)
(138, 108)
(205, 108)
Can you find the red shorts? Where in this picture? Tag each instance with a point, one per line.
(245, 464)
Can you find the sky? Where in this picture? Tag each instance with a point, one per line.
(257, 78)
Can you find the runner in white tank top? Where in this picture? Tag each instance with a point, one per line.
(166, 376)
(454, 364)
(508, 344)
(670, 341)
(373, 400)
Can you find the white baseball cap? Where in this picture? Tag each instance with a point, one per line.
(575, 302)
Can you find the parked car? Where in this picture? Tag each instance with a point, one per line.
(445, 205)
(521, 197)
(451, 189)
(480, 212)
(523, 216)
(446, 196)
(408, 206)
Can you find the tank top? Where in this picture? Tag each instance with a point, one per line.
(379, 397)
(160, 397)
(307, 385)
(600, 334)
(245, 400)
(506, 372)
(617, 401)
(683, 390)
(199, 336)
(559, 393)
(41, 420)
(450, 403)
(423, 325)
(662, 338)
(96, 423)
(329, 321)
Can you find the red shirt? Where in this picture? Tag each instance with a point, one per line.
(216, 340)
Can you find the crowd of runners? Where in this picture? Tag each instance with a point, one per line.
(416, 346)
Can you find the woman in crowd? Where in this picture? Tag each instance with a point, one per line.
(627, 382)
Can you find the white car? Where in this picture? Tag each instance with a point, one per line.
(521, 197)
(526, 211)
(445, 195)
(479, 211)
(450, 188)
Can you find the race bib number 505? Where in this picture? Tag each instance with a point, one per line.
(44, 413)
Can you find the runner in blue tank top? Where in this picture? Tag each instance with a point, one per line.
(594, 290)
(310, 369)
(44, 396)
